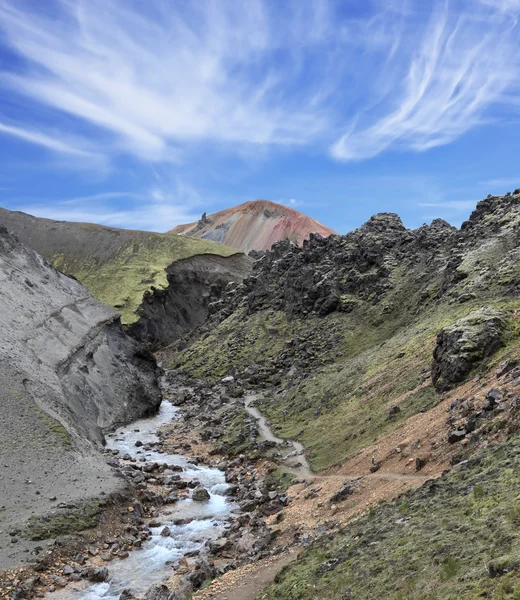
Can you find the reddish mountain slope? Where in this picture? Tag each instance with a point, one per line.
(254, 225)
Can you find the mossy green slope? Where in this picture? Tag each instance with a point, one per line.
(343, 404)
(134, 268)
(117, 265)
(331, 380)
(457, 537)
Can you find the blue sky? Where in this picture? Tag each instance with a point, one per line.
(146, 114)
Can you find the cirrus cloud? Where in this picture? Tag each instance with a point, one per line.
(155, 80)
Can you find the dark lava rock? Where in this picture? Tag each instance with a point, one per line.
(342, 494)
(464, 345)
(456, 436)
(393, 412)
(158, 592)
(97, 575)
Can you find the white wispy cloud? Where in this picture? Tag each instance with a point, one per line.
(450, 72)
(148, 216)
(55, 143)
(153, 79)
(456, 205)
(501, 182)
(154, 209)
(174, 73)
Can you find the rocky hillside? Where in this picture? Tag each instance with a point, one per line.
(342, 331)
(254, 225)
(118, 266)
(387, 353)
(68, 373)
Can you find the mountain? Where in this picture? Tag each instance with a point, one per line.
(118, 266)
(361, 392)
(69, 373)
(254, 225)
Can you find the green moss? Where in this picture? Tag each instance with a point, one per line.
(236, 437)
(277, 479)
(135, 268)
(63, 523)
(373, 363)
(441, 547)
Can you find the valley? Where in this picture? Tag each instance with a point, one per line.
(335, 413)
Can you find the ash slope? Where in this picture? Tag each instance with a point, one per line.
(254, 225)
(117, 266)
(68, 372)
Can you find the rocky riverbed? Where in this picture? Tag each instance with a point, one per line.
(196, 509)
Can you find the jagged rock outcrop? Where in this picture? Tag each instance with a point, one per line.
(344, 328)
(193, 284)
(332, 274)
(68, 372)
(465, 344)
(382, 261)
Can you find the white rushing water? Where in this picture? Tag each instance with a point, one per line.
(152, 563)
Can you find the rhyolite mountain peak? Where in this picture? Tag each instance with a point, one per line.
(254, 225)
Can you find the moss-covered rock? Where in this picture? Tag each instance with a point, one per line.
(465, 344)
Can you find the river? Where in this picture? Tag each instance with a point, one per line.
(152, 563)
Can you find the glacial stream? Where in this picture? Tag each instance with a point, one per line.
(149, 565)
(202, 521)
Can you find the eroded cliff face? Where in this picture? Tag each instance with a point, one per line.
(194, 284)
(68, 371)
(55, 331)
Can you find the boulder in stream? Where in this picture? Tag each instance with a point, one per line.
(200, 494)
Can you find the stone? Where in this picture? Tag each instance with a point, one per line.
(393, 412)
(506, 366)
(158, 592)
(419, 463)
(465, 344)
(342, 494)
(456, 436)
(200, 494)
(166, 532)
(59, 581)
(97, 575)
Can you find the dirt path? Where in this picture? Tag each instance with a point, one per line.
(412, 453)
(296, 463)
(247, 582)
(311, 508)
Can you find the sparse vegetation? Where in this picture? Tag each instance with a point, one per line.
(137, 266)
(437, 548)
(64, 522)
